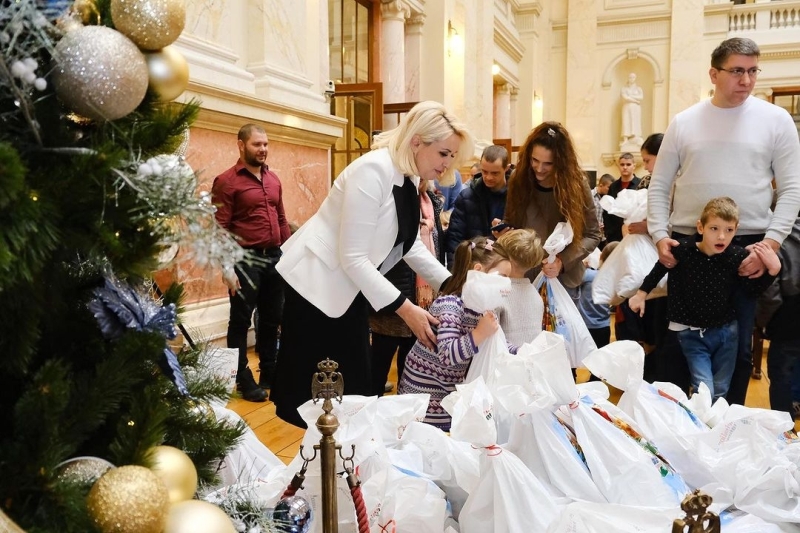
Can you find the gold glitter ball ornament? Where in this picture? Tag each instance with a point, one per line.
(128, 499)
(176, 470)
(196, 516)
(151, 24)
(99, 73)
(169, 73)
(83, 470)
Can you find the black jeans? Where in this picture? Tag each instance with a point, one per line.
(261, 288)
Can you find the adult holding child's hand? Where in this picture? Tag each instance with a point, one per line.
(334, 265)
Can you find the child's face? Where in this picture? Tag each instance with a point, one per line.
(717, 235)
(503, 268)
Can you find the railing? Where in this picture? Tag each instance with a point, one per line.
(777, 15)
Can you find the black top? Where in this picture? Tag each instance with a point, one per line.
(701, 287)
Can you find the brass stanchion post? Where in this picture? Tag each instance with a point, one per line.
(328, 384)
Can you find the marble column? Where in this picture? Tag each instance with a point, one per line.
(502, 111)
(687, 67)
(582, 89)
(413, 50)
(512, 117)
(393, 14)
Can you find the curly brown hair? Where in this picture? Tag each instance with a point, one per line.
(567, 173)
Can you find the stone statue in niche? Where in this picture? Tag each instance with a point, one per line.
(632, 96)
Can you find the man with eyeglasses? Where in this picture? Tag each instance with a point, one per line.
(734, 145)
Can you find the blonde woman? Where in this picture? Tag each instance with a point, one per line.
(334, 265)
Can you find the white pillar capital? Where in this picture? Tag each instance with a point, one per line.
(395, 10)
(414, 23)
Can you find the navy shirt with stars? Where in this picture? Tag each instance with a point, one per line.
(701, 287)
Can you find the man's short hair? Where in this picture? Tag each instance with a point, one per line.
(494, 152)
(736, 46)
(626, 155)
(247, 130)
(606, 179)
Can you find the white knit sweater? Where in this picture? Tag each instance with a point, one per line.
(521, 315)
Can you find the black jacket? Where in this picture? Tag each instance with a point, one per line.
(401, 275)
(612, 224)
(470, 216)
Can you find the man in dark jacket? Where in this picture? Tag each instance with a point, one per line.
(480, 203)
(612, 224)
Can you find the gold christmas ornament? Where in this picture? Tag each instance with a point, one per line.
(151, 24)
(201, 409)
(196, 516)
(82, 470)
(169, 73)
(99, 73)
(87, 11)
(128, 499)
(176, 470)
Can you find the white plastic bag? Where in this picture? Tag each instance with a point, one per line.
(624, 270)
(507, 490)
(630, 205)
(566, 320)
(558, 240)
(624, 465)
(485, 292)
(222, 363)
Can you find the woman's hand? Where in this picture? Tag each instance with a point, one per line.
(419, 321)
(552, 270)
(486, 327)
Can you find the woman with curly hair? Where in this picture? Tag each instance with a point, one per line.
(548, 187)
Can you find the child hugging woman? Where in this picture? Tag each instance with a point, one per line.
(460, 331)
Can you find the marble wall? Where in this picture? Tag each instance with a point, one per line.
(262, 61)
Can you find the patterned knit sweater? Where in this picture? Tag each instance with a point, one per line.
(521, 313)
(437, 373)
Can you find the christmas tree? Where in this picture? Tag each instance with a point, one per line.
(93, 191)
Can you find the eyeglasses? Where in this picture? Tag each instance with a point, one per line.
(738, 72)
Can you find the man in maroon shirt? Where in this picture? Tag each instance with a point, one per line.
(249, 204)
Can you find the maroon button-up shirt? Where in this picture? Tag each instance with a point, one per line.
(251, 209)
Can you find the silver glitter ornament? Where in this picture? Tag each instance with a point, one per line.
(293, 515)
(83, 470)
(99, 73)
(151, 24)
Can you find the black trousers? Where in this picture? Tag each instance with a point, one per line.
(262, 289)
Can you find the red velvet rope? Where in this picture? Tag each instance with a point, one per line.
(289, 492)
(361, 509)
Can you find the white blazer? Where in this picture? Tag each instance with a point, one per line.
(337, 252)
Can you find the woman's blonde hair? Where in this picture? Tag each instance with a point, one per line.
(432, 122)
(523, 247)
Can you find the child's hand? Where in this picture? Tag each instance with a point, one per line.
(636, 302)
(768, 256)
(486, 327)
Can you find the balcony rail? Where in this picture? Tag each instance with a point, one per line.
(776, 15)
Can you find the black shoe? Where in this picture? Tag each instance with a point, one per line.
(256, 394)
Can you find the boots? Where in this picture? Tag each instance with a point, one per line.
(247, 387)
